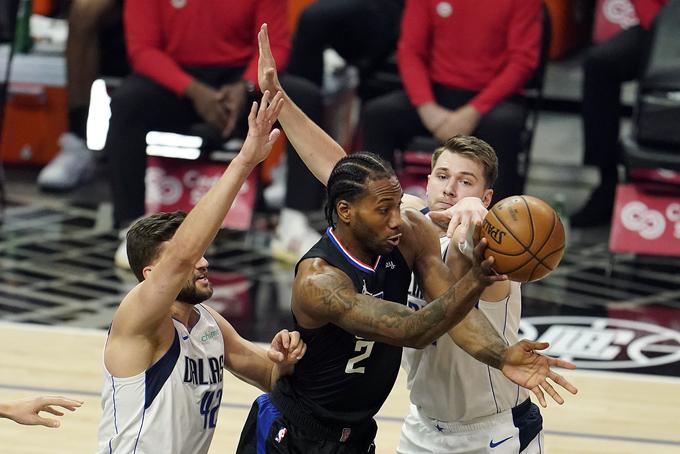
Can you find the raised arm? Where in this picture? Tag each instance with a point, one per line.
(317, 149)
(139, 317)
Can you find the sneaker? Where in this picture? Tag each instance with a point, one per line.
(293, 237)
(73, 165)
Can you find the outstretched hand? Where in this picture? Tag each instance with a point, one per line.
(261, 134)
(466, 212)
(531, 370)
(267, 76)
(27, 411)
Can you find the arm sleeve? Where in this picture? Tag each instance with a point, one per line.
(274, 13)
(413, 52)
(144, 44)
(524, 43)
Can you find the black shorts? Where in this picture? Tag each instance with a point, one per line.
(268, 430)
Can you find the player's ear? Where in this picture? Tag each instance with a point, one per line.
(146, 270)
(344, 211)
(486, 198)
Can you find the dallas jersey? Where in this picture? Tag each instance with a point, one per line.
(446, 383)
(343, 377)
(171, 407)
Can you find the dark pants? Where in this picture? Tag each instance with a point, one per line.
(141, 105)
(390, 122)
(363, 32)
(606, 67)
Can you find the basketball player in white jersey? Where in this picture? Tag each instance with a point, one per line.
(165, 353)
(458, 404)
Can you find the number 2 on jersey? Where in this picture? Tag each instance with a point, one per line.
(367, 348)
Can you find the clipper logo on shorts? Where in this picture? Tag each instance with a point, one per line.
(281, 435)
(345, 434)
(177, 4)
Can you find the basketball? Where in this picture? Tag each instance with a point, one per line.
(525, 236)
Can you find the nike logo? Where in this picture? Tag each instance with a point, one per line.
(187, 337)
(493, 445)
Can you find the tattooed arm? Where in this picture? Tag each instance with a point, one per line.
(323, 294)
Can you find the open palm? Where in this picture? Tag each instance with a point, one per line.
(261, 134)
(532, 370)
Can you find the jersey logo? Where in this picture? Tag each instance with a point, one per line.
(364, 291)
(177, 4)
(209, 334)
(390, 265)
(493, 445)
(281, 435)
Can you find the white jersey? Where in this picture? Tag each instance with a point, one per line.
(171, 407)
(446, 383)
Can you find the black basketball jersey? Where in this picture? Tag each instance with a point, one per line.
(343, 377)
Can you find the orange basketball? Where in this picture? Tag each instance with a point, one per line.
(525, 237)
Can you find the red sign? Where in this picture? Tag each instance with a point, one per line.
(612, 16)
(644, 222)
(178, 184)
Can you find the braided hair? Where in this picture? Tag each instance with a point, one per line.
(350, 176)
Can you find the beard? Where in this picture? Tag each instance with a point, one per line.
(190, 294)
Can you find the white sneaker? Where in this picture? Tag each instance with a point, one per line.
(120, 258)
(293, 236)
(74, 164)
(275, 193)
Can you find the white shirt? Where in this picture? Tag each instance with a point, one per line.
(447, 384)
(171, 407)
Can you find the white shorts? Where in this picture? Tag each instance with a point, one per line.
(497, 434)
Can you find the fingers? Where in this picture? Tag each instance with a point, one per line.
(530, 345)
(263, 40)
(562, 363)
(539, 395)
(284, 335)
(52, 410)
(70, 404)
(294, 338)
(47, 422)
(547, 387)
(275, 356)
(563, 382)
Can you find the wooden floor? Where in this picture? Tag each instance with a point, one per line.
(613, 412)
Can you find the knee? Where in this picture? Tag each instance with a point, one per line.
(86, 15)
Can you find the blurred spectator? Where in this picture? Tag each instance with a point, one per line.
(463, 64)
(193, 62)
(364, 33)
(87, 20)
(606, 67)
